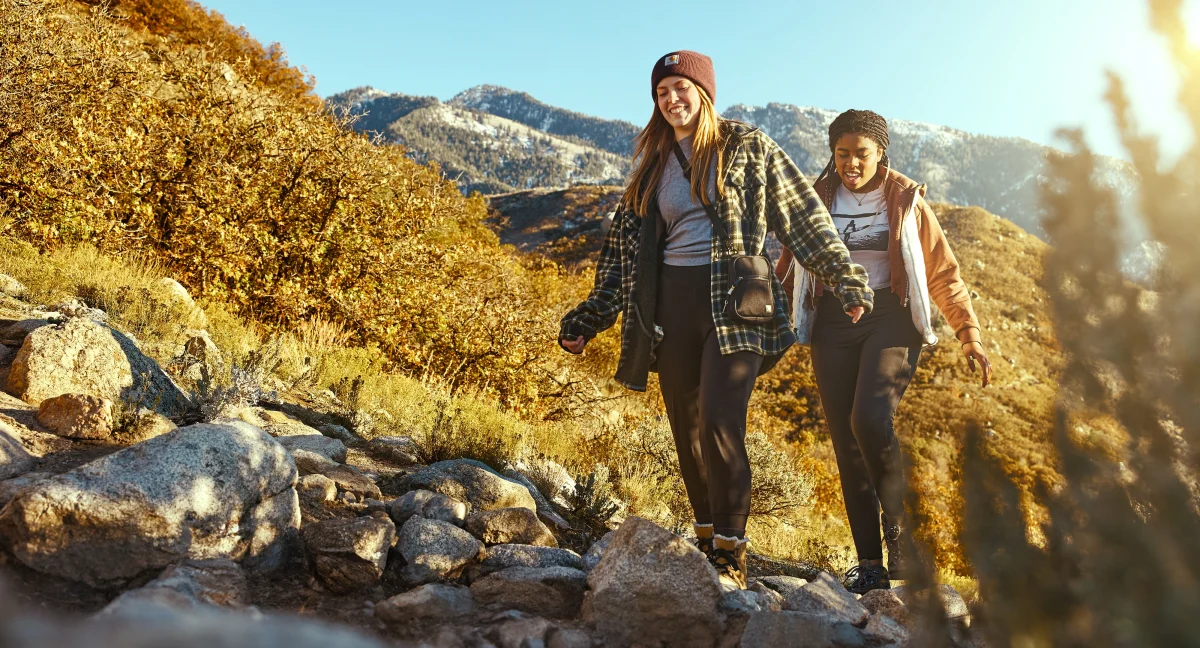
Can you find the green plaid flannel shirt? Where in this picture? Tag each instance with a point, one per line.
(764, 190)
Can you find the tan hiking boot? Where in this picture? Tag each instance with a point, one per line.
(729, 557)
(704, 538)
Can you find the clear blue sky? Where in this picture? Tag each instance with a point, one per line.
(1018, 67)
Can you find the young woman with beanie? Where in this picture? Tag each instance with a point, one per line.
(704, 191)
(863, 370)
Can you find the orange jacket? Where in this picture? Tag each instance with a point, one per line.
(940, 279)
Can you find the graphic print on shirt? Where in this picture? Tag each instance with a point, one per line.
(863, 232)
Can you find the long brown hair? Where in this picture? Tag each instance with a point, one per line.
(654, 147)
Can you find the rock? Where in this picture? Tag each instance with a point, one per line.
(348, 554)
(202, 357)
(183, 588)
(347, 478)
(146, 425)
(433, 601)
(472, 482)
(84, 357)
(568, 638)
(178, 294)
(555, 592)
(429, 505)
(744, 602)
(799, 630)
(10, 487)
(654, 587)
(785, 585)
(340, 433)
(518, 631)
(519, 555)
(77, 416)
(400, 449)
(76, 308)
(595, 552)
(824, 596)
(316, 488)
(886, 603)
(331, 449)
(11, 287)
(14, 334)
(15, 460)
(952, 601)
(769, 599)
(435, 550)
(203, 491)
(545, 510)
(883, 630)
(510, 526)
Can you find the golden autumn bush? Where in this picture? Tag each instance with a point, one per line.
(254, 195)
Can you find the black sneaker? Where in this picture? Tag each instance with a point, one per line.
(866, 577)
(896, 564)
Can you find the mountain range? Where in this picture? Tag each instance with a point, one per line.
(496, 140)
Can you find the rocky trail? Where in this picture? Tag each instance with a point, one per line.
(134, 514)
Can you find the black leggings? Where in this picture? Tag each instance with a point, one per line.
(862, 371)
(706, 394)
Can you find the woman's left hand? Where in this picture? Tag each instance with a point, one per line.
(974, 352)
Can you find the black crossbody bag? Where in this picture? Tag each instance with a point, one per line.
(750, 299)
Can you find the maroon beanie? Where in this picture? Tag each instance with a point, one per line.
(685, 63)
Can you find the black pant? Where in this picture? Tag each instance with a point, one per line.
(862, 371)
(706, 394)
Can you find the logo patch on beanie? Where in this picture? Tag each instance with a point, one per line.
(671, 60)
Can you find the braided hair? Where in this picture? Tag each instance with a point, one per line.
(867, 122)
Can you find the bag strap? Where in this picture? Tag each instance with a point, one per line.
(718, 225)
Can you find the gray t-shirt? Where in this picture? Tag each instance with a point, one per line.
(684, 223)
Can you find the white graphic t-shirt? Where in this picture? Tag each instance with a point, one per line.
(865, 231)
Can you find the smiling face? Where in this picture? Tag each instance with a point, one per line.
(679, 102)
(856, 158)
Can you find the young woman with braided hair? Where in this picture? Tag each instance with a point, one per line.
(863, 370)
(665, 268)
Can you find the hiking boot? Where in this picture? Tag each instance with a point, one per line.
(866, 577)
(896, 563)
(729, 557)
(704, 538)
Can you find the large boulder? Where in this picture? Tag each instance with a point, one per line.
(430, 602)
(10, 487)
(10, 286)
(472, 482)
(15, 460)
(85, 357)
(429, 505)
(77, 416)
(653, 587)
(555, 592)
(510, 526)
(349, 554)
(200, 492)
(826, 596)
(435, 550)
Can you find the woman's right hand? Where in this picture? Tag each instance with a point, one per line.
(573, 344)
